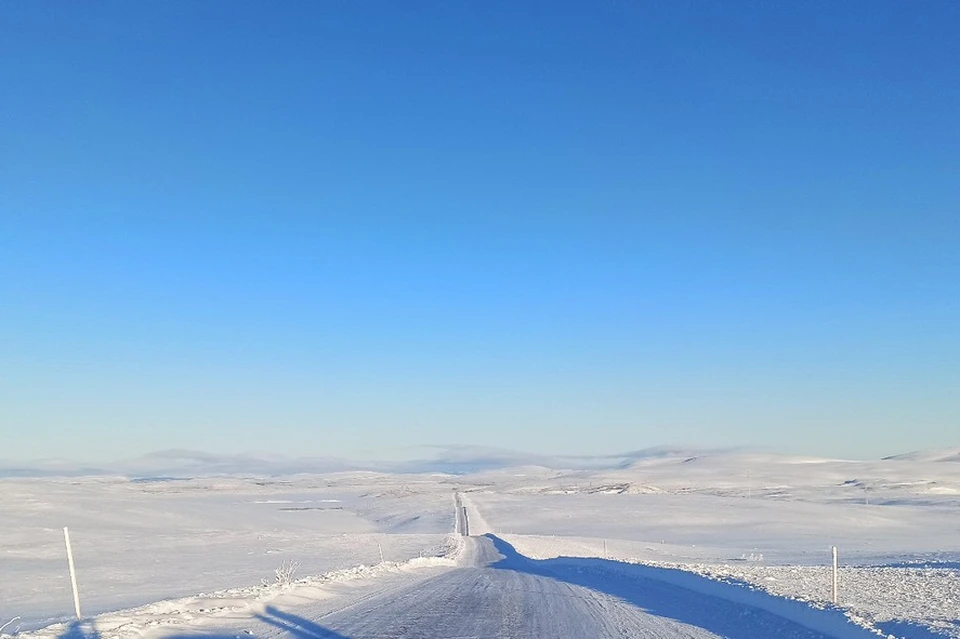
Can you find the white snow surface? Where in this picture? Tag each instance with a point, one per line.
(765, 520)
(137, 542)
(747, 531)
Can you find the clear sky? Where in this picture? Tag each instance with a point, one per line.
(351, 228)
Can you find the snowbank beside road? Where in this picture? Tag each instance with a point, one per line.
(236, 605)
(137, 542)
(903, 601)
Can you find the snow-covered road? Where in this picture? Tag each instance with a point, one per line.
(503, 594)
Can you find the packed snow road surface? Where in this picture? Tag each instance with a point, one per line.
(504, 595)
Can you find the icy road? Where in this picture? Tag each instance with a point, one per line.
(501, 594)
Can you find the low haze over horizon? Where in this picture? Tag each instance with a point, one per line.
(354, 229)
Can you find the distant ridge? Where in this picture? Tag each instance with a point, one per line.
(451, 460)
(936, 455)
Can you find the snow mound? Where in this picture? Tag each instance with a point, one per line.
(937, 455)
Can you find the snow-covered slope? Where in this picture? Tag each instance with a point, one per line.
(457, 460)
(141, 541)
(942, 454)
(765, 519)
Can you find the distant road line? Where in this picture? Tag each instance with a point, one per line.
(462, 522)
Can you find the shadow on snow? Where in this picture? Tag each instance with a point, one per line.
(726, 609)
(730, 610)
(295, 627)
(911, 630)
(81, 629)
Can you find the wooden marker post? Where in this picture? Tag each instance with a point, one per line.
(836, 577)
(73, 572)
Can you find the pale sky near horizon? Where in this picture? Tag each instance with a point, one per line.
(351, 229)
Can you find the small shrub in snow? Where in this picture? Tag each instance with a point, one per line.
(286, 572)
(754, 556)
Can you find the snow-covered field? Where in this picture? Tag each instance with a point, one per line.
(138, 542)
(756, 521)
(764, 520)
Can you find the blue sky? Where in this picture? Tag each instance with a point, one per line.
(352, 229)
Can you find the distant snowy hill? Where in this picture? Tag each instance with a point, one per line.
(453, 460)
(188, 463)
(49, 468)
(176, 463)
(938, 455)
(471, 459)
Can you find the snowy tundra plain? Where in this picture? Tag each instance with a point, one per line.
(180, 556)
